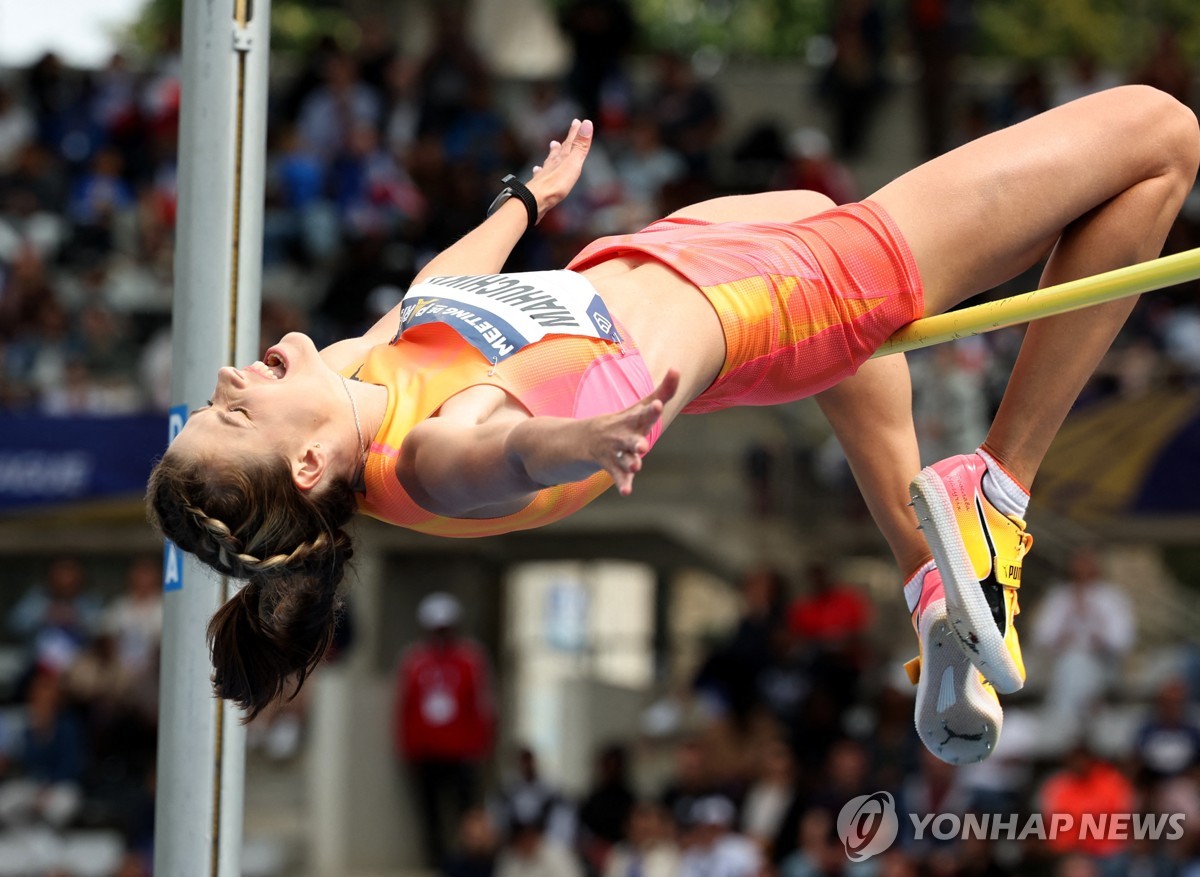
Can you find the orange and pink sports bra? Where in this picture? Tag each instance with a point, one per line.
(544, 337)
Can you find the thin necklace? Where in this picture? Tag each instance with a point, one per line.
(357, 423)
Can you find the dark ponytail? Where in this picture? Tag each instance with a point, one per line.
(248, 520)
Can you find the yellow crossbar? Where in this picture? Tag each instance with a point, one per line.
(1070, 296)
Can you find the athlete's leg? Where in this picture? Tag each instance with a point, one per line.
(1100, 181)
(871, 414)
(957, 715)
(1097, 184)
(786, 206)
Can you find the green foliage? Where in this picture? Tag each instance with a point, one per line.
(296, 26)
(753, 28)
(1118, 33)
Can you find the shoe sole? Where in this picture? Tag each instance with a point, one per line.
(955, 716)
(967, 607)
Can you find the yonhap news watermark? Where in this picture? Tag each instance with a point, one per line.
(868, 825)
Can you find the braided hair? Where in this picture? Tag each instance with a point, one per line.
(250, 521)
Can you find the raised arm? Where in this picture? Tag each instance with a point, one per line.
(486, 248)
(457, 469)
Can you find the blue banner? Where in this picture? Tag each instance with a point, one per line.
(48, 461)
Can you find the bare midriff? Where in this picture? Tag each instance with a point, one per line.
(669, 319)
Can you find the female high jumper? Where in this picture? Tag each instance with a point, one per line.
(488, 402)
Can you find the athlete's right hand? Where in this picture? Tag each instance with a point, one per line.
(556, 176)
(617, 442)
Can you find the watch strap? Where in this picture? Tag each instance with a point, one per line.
(513, 186)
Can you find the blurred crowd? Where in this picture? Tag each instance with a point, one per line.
(377, 158)
(78, 720)
(792, 712)
(800, 714)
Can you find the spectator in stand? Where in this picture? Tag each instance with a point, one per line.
(934, 788)
(340, 105)
(831, 621)
(100, 199)
(445, 717)
(938, 30)
(372, 192)
(476, 853)
(817, 854)
(532, 852)
(1088, 785)
(34, 186)
(300, 222)
(770, 795)
(832, 613)
(109, 358)
(135, 619)
(687, 112)
(105, 693)
(377, 50)
(847, 775)
(844, 774)
(479, 136)
(853, 83)
(57, 619)
(402, 114)
(892, 747)
(451, 72)
(691, 782)
(602, 32)
(528, 799)
(649, 849)
(812, 165)
(645, 168)
(1167, 745)
(715, 849)
(16, 129)
(950, 402)
(604, 812)
(50, 766)
(731, 674)
(1086, 626)
(544, 112)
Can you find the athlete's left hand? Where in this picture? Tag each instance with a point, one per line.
(556, 176)
(619, 441)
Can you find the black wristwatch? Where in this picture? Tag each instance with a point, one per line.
(513, 186)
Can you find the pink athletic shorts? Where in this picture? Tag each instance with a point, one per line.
(802, 304)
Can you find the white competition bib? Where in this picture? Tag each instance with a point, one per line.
(498, 314)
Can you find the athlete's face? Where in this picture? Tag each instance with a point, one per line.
(279, 405)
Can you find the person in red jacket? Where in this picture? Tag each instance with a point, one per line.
(445, 718)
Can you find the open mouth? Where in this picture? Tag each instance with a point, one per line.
(272, 366)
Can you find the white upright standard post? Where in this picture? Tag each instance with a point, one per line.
(218, 272)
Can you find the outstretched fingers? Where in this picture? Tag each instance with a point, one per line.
(554, 178)
(630, 439)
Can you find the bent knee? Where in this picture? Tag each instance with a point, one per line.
(1170, 127)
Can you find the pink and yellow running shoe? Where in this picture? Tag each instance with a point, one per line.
(979, 551)
(958, 716)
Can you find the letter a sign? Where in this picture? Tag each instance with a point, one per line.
(172, 556)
